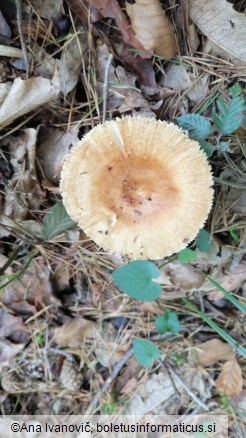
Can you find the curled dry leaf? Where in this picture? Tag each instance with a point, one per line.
(123, 92)
(230, 380)
(71, 61)
(225, 27)
(229, 279)
(111, 8)
(25, 96)
(23, 192)
(152, 27)
(75, 332)
(54, 145)
(210, 352)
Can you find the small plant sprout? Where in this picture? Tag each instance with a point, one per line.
(148, 194)
(227, 119)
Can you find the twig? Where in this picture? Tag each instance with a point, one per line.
(108, 382)
(105, 86)
(164, 367)
(186, 388)
(22, 41)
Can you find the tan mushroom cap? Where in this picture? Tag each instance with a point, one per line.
(138, 187)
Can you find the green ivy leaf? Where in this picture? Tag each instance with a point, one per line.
(56, 221)
(230, 114)
(145, 352)
(198, 126)
(203, 241)
(136, 280)
(168, 322)
(186, 256)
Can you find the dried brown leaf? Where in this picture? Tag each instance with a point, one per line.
(152, 27)
(230, 380)
(54, 145)
(12, 328)
(25, 96)
(111, 8)
(75, 332)
(32, 291)
(210, 352)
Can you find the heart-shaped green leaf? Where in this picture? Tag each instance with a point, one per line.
(136, 280)
(145, 352)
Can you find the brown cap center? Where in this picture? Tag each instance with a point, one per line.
(137, 188)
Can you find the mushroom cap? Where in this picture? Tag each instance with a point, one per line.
(138, 187)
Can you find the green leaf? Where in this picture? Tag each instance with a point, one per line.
(241, 350)
(186, 256)
(198, 126)
(231, 113)
(203, 241)
(207, 147)
(145, 352)
(168, 322)
(56, 221)
(233, 233)
(136, 280)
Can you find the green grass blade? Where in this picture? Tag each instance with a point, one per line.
(230, 297)
(238, 348)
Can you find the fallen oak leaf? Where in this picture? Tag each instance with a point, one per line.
(230, 380)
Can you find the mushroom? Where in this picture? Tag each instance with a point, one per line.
(138, 187)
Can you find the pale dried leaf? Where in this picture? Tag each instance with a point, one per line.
(183, 276)
(210, 352)
(71, 61)
(4, 90)
(156, 390)
(9, 350)
(75, 333)
(129, 386)
(228, 279)
(48, 8)
(180, 78)
(54, 145)
(4, 27)
(225, 27)
(152, 27)
(230, 381)
(25, 96)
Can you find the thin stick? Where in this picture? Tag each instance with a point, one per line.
(22, 41)
(108, 382)
(186, 388)
(105, 86)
